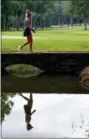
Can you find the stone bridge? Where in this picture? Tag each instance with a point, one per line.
(59, 62)
(73, 64)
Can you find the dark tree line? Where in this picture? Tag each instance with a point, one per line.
(45, 13)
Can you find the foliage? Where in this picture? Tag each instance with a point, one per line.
(6, 104)
(44, 12)
(81, 8)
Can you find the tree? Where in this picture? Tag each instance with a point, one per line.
(6, 104)
(18, 8)
(81, 8)
(6, 11)
(14, 11)
(42, 8)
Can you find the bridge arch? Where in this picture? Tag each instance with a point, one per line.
(23, 70)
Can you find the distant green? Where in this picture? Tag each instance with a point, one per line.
(65, 39)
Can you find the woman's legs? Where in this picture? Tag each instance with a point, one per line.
(31, 97)
(20, 47)
(24, 97)
(30, 100)
(29, 41)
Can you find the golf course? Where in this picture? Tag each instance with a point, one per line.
(56, 39)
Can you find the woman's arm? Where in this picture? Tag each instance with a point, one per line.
(33, 112)
(33, 30)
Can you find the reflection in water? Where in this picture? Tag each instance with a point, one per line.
(23, 70)
(55, 117)
(43, 83)
(84, 76)
(27, 110)
(29, 78)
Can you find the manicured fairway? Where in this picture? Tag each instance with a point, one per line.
(65, 39)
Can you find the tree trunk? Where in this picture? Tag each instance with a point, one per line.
(71, 21)
(44, 20)
(18, 25)
(85, 23)
(50, 21)
(6, 28)
(18, 22)
(3, 24)
(58, 20)
(35, 21)
(41, 23)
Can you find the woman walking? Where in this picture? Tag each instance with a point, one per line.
(27, 31)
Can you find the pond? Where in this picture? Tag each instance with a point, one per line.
(25, 78)
(44, 83)
(56, 116)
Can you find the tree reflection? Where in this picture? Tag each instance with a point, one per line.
(6, 104)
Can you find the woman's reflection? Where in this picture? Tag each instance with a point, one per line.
(27, 109)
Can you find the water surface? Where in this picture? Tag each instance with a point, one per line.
(44, 83)
(56, 116)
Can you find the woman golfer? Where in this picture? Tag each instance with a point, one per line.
(27, 31)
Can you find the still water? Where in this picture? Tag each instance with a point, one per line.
(56, 116)
(44, 83)
(24, 78)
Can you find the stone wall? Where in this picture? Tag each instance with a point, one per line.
(66, 63)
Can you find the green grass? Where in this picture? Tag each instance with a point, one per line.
(67, 38)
